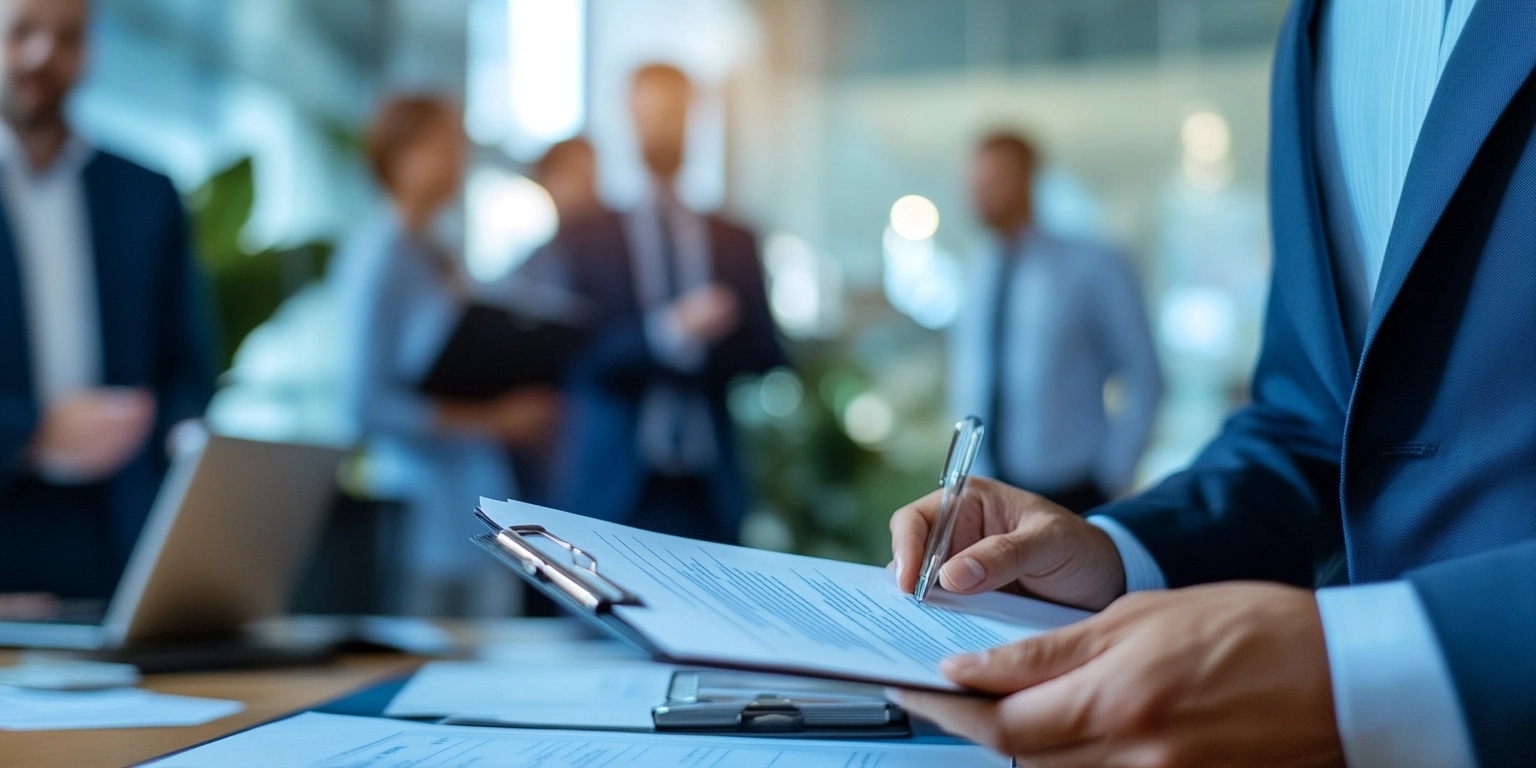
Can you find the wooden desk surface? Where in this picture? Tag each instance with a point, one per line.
(267, 694)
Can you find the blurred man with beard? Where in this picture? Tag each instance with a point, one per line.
(682, 310)
(1049, 323)
(104, 341)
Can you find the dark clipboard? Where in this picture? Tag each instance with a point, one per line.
(493, 350)
(561, 583)
(761, 705)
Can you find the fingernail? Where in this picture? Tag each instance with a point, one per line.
(897, 561)
(893, 695)
(965, 573)
(960, 662)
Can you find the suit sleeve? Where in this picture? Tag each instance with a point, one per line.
(1483, 611)
(1261, 501)
(186, 376)
(621, 355)
(754, 348)
(373, 299)
(18, 423)
(617, 354)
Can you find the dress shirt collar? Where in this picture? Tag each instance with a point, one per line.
(1027, 241)
(71, 161)
(660, 195)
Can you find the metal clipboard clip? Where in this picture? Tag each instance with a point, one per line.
(580, 580)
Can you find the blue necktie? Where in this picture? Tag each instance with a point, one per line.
(1008, 267)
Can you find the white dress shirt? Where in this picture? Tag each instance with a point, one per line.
(51, 228)
(1075, 320)
(1381, 61)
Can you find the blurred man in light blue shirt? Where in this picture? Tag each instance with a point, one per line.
(1048, 324)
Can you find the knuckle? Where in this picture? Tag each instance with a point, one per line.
(1135, 711)
(997, 737)
(1011, 744)
(1023, 654)
(1138, 602)
(985, 485)
(1131, 601)
(1164, 756)
(1042, 524)
(904, 520)
(1013, 549)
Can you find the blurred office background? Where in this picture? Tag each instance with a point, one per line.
(838, 129)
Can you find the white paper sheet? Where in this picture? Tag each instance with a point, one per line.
(723, 605)
(315, 740)
(560, 694)
(23, 710)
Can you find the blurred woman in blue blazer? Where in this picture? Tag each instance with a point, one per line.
(400, 293)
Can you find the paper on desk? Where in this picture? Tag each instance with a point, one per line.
(713, 604)
(538, 652)
(315, 740)
(24, 710)
(571, 694)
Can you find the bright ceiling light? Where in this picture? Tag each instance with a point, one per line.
(508, 216)
(915, 217)
(546, 48)
(1207, 137)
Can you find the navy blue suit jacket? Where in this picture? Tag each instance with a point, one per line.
(601, 473)
(155, 334)
(1415, 456)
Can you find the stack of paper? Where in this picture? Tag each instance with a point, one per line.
(23, 710)
(710, 604)
(336, 741)
(616, 695)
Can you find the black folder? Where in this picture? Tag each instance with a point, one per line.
(493, 350)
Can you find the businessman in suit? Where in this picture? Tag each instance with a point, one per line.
(103, 338)
(681, 310)
(1389, 454)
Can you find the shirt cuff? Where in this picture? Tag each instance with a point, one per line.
(669, 345)
(1393, 694)
(1141, 570)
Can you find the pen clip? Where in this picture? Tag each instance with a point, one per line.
(964, 445)
(580, 579)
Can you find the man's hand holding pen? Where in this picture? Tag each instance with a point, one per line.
(1198, 676)
(1012, 540)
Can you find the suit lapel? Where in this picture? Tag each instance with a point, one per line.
(16, 345)
(109, 282)
(1299, 234)
(1493, 58)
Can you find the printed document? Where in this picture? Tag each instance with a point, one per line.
(719, 605)
(314, 740)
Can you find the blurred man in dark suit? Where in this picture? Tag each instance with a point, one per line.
(103, 339)
(681, 311)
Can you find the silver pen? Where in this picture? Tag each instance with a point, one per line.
(963, 448)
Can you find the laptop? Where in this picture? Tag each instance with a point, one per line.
(229, 533)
